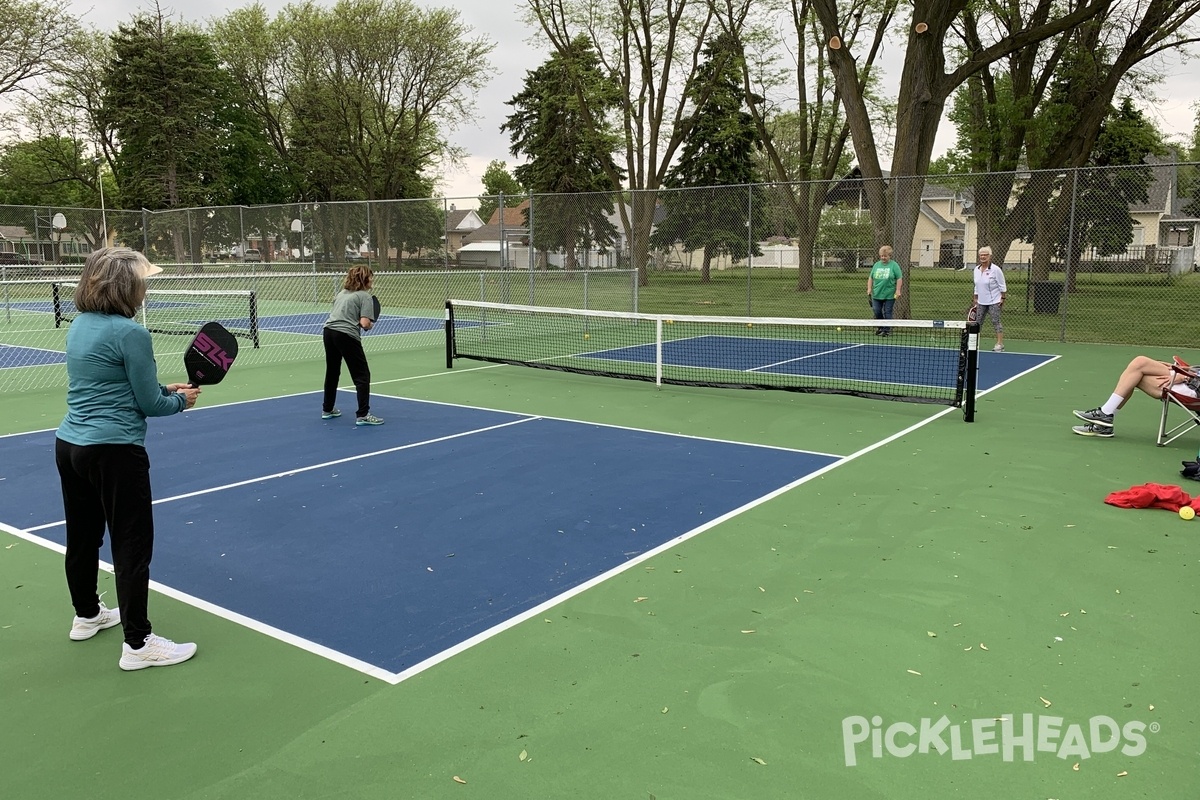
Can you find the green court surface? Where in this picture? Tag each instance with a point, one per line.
(965, 571)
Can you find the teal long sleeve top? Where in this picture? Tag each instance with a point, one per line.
(112, 382)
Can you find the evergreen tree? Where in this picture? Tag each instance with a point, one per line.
(719, 154)
(570, 165)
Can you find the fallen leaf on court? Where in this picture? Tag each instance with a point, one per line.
(1151, 707)
(966, 648)
(931, 634)
(524, 756)
(1075, 767)
(1065, 614)
(640, 599)
(1122, 774)
(458, 779)
(761, 589)
(758, 760)
(913, 672)
(957, 624)
(665, 709)
(809, 591)
(547, 620)
(678, 571)
(1045, 701)
(982, 646)
(749, 631)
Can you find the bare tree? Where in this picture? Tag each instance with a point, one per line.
(932, 71)
(31, 40)
(653, 48)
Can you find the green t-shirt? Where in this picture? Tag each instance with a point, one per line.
(883, 280)
(348, 309)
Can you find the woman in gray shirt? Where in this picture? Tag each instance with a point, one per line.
(353, 312)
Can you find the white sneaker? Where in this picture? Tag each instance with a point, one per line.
(87, 628)
(998, 348)
(156, 652)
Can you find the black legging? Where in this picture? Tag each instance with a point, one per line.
(108, 484)
(342, 346)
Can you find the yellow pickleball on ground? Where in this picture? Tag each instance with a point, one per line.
(1187, 512)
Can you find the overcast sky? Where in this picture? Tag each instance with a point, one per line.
(518, 51)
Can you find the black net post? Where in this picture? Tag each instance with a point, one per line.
(254, 318)
(58, 315)
(971, 334)
(449, 335)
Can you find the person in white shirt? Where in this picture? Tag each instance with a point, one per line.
(990, 291)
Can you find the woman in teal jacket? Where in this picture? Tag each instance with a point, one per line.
(112, 386)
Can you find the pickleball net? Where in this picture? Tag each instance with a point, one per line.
(921, 361)
(179, 311)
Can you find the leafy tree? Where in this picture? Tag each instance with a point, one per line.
(570, 165)
(791, 95)
(718, 155)
(1189, 179)
(163, 92)
(1101, 195)
(497, 180)
(1041, 107)
(932, 71)
(31, 39)
(356, 98)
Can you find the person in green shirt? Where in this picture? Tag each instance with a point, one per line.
(353, 312)
(883, 287)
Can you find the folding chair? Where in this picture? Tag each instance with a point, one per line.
(1177, 394)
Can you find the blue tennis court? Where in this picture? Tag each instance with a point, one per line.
(899, 364)
(12, 356)
(389, 547)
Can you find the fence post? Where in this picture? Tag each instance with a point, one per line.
(749, 246)
(1069, 267)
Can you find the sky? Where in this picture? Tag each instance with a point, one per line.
(519, 50)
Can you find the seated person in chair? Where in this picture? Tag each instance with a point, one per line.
(1152, 377)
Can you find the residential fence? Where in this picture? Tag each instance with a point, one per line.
(1090, 255)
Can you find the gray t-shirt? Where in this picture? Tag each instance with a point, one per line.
(348, 309)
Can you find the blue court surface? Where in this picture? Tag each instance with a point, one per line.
(311, 324)
(389, 546)
(12, 356)
(881, 363)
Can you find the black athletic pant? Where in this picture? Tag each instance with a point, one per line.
(344, 347)
(108, 484)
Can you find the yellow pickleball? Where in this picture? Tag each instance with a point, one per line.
(1187, 512)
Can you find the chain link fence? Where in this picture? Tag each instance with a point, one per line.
(1090, 255)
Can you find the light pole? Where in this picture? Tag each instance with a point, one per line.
(103, 213)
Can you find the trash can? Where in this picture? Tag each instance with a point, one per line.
(1045, 296)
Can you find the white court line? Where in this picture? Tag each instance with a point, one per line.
(810, 355)
(624, 427)
(541, 608)
(298, 470)
(247, 622)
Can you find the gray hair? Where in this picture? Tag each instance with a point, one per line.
(112, 281)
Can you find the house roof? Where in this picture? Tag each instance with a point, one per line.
(514, 216)
(849, 189)
(491, 233)
(462, 220)
(942, 223)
